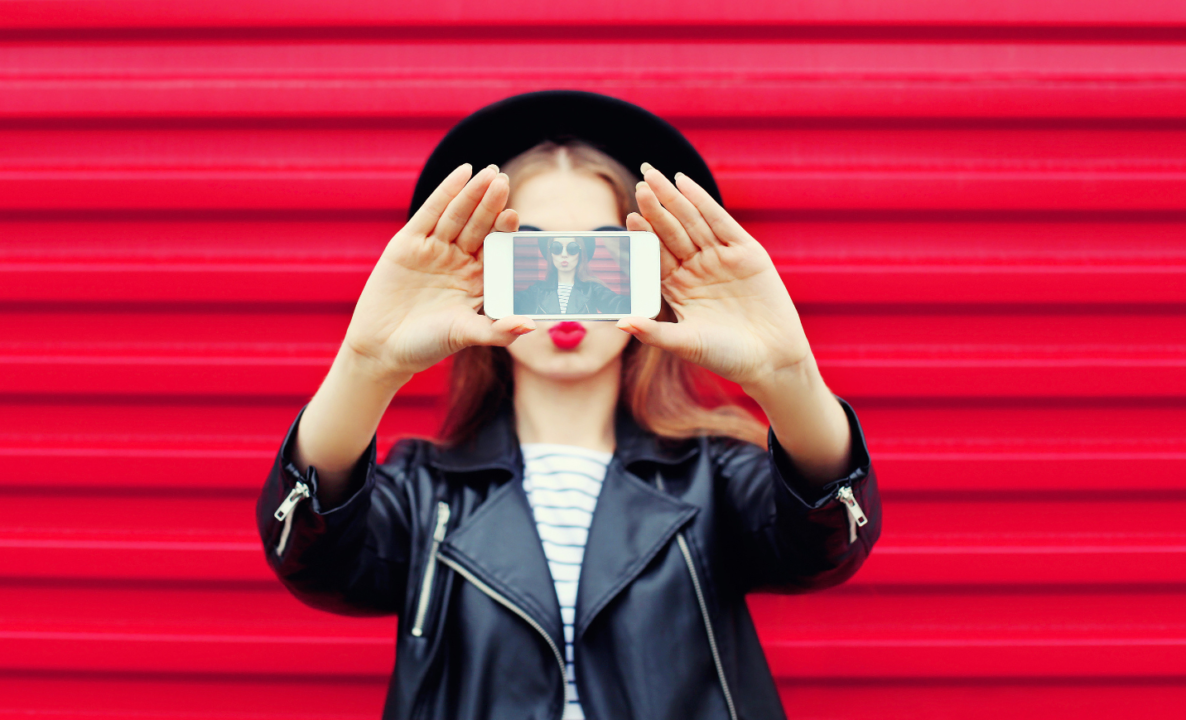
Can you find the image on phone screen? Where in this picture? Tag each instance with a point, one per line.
(571, 275)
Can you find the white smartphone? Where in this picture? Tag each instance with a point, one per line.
(601, 275)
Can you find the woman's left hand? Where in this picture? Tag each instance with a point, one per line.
(735, 316)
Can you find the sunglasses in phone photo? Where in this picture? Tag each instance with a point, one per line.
(558, 248)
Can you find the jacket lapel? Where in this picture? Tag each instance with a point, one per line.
(631, 523)
(500, 545)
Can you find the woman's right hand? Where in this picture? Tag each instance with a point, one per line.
(420, 302)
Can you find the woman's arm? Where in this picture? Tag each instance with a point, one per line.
(338, 529)
(602, 299)
(806, 511)
(419, 306)
(613, 245)
(787, 533)
(736, 319)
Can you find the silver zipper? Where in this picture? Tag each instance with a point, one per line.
(300, 492)
(712, 638)
(430, 569)
(515, 609)
(856, 516)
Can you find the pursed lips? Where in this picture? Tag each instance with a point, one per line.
(567, 335)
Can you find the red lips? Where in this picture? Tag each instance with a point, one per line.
(567, 335)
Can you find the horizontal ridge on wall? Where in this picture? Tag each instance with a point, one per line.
(666, 13)
(1153, 96)
(707, 80)
(919, 372)
(863, 283)
(859, 189)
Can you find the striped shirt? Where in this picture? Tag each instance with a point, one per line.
(564, 290)
(562, 484)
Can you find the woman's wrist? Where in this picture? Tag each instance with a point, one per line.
(358, 368)
(797, 380)
(342, 417)
(806, 418)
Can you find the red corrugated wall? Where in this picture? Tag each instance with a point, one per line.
(978, 205)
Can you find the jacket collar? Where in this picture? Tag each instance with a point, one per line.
(496, 446)
(632, 522)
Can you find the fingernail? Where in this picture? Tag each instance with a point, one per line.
(647, 167)
(504, 176)
(640, 184)
(492, 166)
(625, 325)
(679, 175)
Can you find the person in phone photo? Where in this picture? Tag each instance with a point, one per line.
(570, 287)
(579, 538)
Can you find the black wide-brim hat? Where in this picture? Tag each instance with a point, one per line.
(624, 131)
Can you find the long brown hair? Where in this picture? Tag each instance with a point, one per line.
(666, 395)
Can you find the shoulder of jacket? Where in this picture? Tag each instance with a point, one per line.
(729, 452)
(406, 455)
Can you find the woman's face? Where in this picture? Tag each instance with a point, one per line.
(567, 260)
(559, 200)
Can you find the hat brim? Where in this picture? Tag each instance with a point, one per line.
(625, 132)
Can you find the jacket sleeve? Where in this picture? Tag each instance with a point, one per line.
(792, 535)
(604, 300)
(350, 559)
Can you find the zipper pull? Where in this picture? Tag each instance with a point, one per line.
(856, 516)
(300, 492)
(442, 520)
(430, 568)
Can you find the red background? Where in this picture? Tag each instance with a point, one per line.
(978, 205)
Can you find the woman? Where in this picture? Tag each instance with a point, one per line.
(581, 542)
(570, 287)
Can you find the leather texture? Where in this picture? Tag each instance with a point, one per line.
(641, 648)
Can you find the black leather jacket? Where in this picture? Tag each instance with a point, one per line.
(586, 297)
(681, 532)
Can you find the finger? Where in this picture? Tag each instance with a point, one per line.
(722, 223)
(507, 221)
(665, 225)
(460, 208)
(667, 261)
(425, 219)
(676, 338)
(480, 330)
(481, 221)
(679, 206)
(637, 223)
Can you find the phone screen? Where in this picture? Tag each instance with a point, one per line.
(571, 275)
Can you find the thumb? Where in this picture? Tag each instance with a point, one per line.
(481, 330)
(676, 338)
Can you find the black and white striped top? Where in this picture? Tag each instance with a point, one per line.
(564, 290)
(562, 484)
